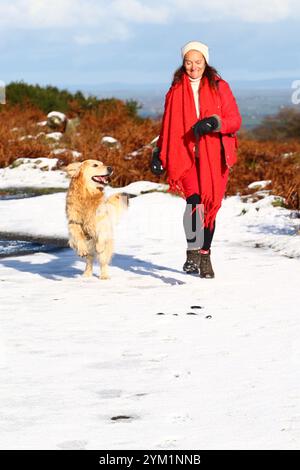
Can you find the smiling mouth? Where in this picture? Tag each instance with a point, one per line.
(101, 179)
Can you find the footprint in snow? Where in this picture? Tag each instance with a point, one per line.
(72, 445)
(196, 310)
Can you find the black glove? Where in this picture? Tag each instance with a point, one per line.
(156, 165)
(204, 126)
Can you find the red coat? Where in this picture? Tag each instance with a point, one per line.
(230, 122)
(218, 150)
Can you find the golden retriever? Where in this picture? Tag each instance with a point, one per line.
(91, 216)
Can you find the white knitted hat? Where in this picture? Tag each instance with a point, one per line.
(195, 46)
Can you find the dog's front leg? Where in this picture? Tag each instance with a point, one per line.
(105, 254)
(77, 239)
(89, 266)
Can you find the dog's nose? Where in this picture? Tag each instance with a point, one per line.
(109, 169)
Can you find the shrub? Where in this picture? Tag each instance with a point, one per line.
(284, 125)
(274, 160)
(50, 98)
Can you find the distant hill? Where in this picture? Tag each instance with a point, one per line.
(270, 84)
(256, 98)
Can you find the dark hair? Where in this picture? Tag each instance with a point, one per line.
(209, 72)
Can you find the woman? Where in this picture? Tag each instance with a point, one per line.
(197, 146)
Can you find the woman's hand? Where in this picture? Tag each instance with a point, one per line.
(156, 165)
(206, 125)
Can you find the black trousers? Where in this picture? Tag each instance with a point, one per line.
(191, 223)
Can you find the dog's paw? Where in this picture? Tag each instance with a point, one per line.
(104, 276)
(82, 250)
(82, 253)
(87, 274)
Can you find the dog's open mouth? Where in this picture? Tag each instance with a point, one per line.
(101, 179)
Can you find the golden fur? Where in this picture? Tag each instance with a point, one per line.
(91, 217)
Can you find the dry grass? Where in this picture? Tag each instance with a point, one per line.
(16, 122)
(275, 161)
(272, 160)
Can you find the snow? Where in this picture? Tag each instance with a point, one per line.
(36, 163)
(110, 141)
(75, 353)
(259, 224)
(50, 135)
(259, 184)
(61, 116)
(60, 151)
(29, 173)
(54, 135)
(154, 140)
(139, 187)
(28, 136)
(32, 172)
(33, 137)
(76, 154)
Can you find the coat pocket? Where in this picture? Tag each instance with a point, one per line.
(229, 144)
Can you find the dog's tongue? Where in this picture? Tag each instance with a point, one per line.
(100, 179)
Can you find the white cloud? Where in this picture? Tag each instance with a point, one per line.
(55, 13)
(120, 32)
(87, 21)
(139, 11)
(254, 11)
(80, 13)
(92, 21)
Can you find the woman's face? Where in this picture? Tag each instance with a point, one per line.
(194, 64)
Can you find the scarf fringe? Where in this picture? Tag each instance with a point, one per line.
(175, 187)
(210, 209)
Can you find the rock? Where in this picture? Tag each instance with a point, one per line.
(110, 142)
(56, 120)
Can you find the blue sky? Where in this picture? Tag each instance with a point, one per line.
(65, 42)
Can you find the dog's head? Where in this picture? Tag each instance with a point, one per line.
(93, 174)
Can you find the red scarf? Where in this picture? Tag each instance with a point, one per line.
(178, 144)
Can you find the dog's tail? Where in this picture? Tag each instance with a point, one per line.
(115, 206)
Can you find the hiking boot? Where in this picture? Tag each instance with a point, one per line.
(191, 266)
(205, 266)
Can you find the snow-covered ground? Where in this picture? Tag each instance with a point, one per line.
(127, 363)
(40, 173)
(33, 172)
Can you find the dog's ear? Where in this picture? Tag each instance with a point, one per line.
(72, 169)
